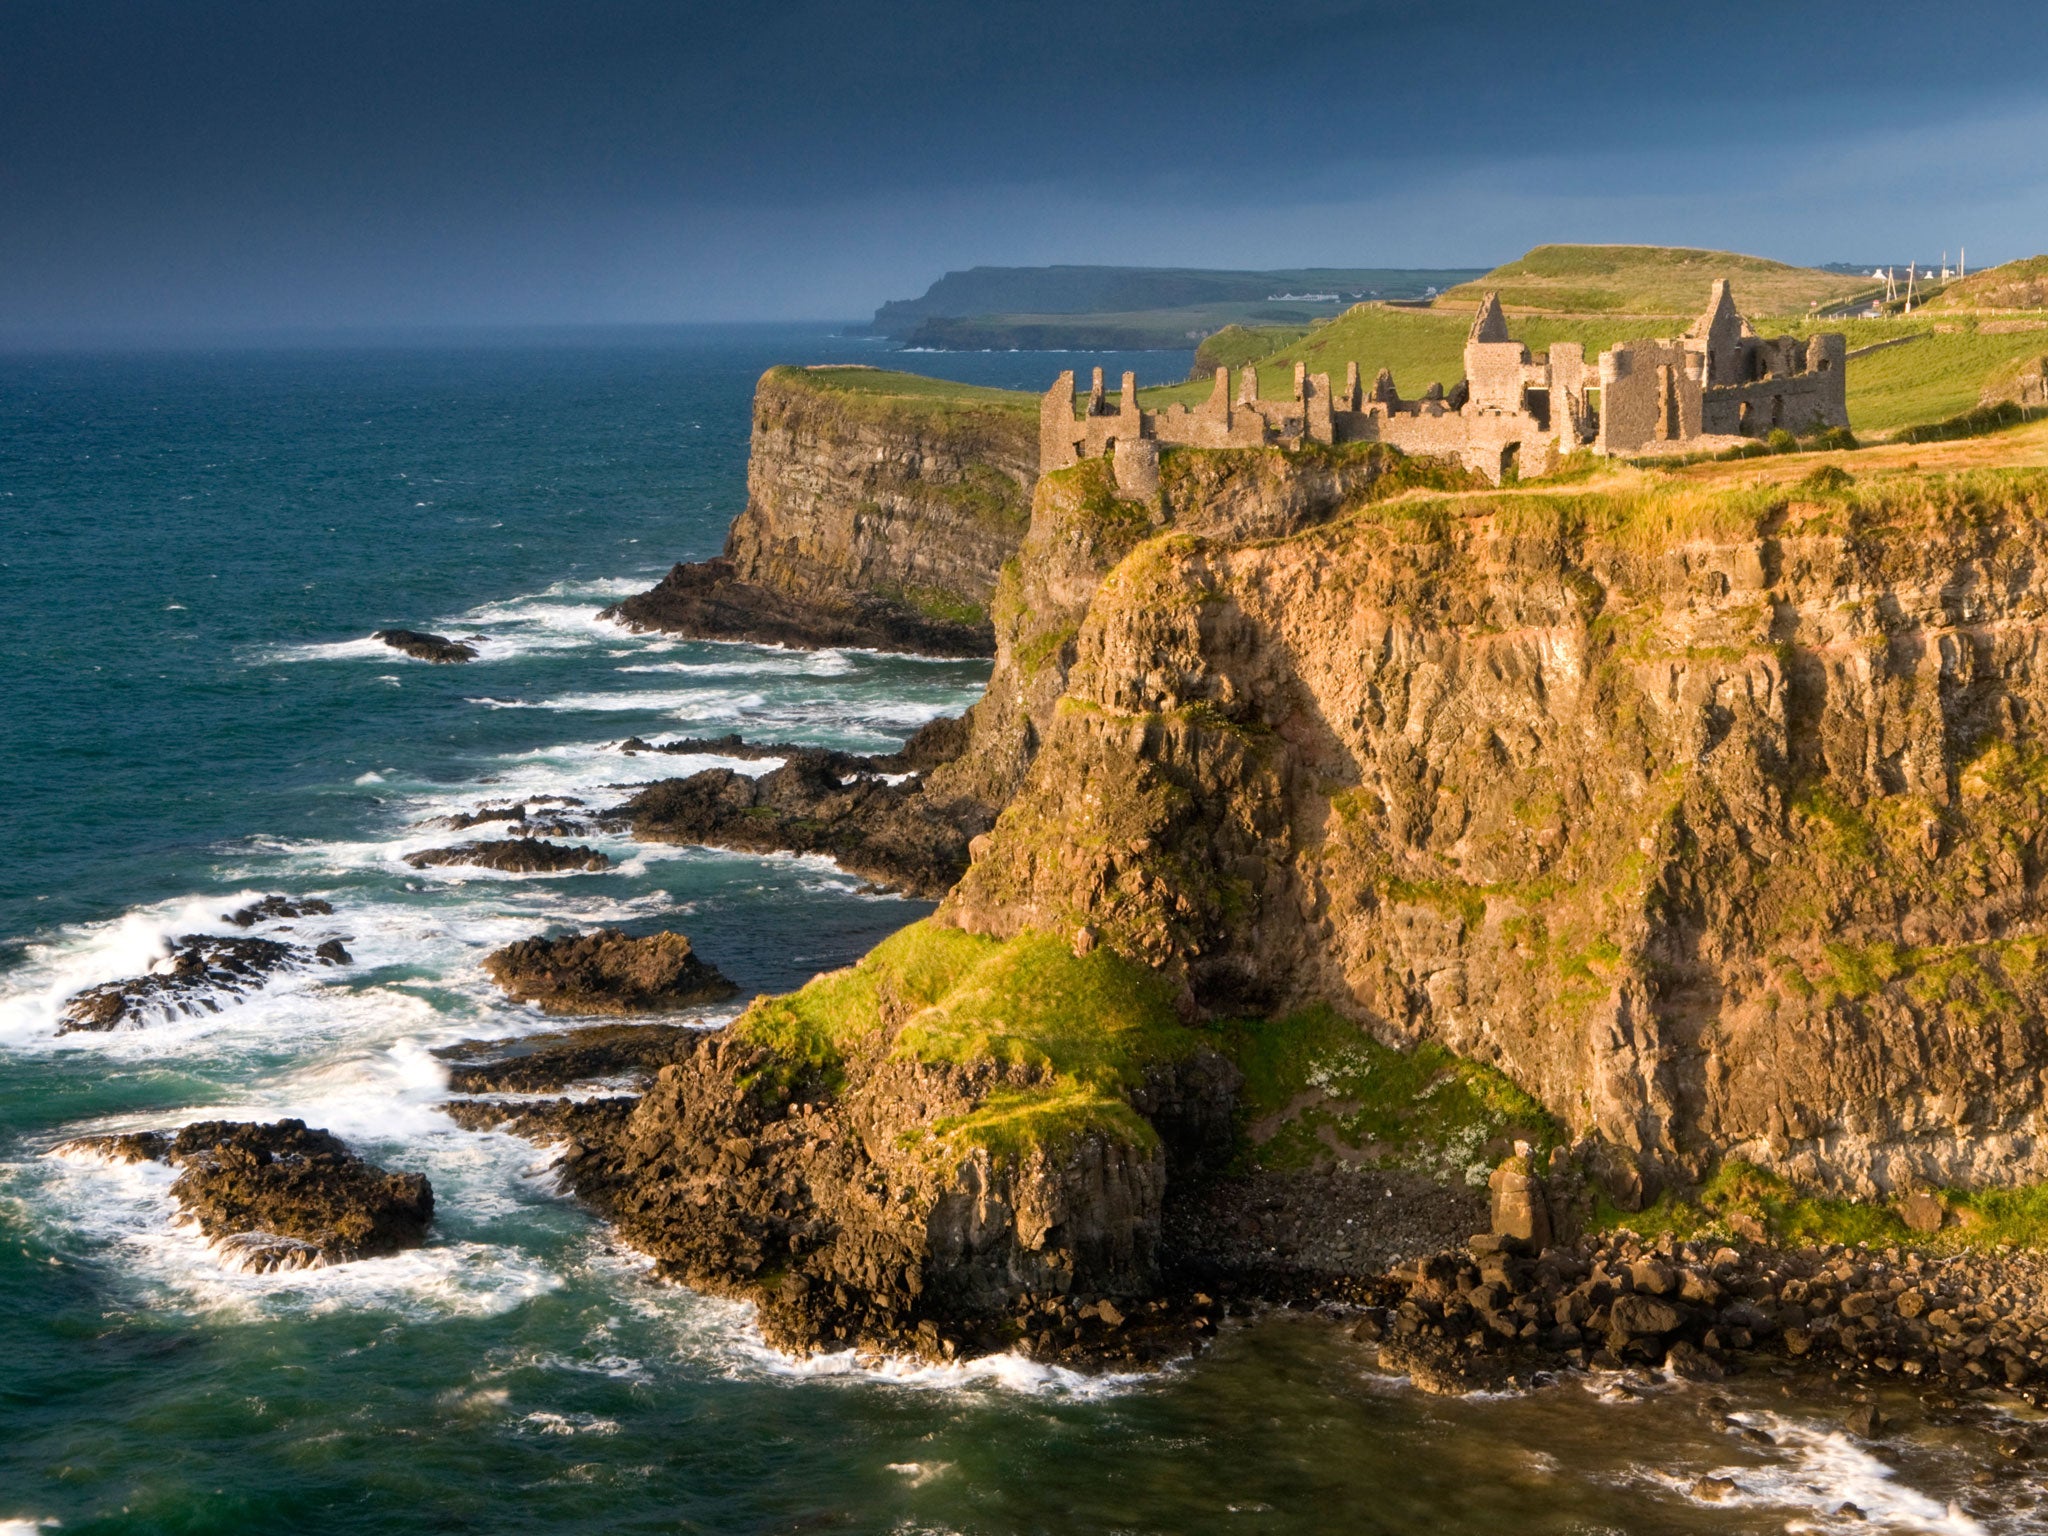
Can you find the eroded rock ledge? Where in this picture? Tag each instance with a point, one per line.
(710, 600)
(894, 835)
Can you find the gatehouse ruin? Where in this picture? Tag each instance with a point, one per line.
(1512, 414)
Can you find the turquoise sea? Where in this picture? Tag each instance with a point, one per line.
(194, 546)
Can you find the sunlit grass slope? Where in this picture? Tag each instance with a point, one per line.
(1651, 280)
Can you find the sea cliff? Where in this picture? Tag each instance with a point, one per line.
(1710, 818)
(880, 508)
(1654, 836)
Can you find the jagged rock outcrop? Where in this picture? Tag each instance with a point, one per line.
(201, 972)
(1081, 528)
(280, 1196)
(873, 519)
(607, 972)
(1717, 818)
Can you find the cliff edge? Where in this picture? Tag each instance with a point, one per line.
(880, 508)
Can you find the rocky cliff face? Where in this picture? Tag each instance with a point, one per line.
(1712, 817)
(1081, 529)
(873, 518)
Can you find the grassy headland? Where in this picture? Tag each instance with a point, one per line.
(1650, 280)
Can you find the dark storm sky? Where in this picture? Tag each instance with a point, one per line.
(199, 164)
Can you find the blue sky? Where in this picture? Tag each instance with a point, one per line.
(209, 164)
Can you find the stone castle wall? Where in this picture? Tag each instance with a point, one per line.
(1512, 414)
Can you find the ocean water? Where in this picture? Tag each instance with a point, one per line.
(193, 549)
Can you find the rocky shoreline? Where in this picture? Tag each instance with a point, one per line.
(739, 1187)
(1503, 1313)
(709, 600)
(894, 835)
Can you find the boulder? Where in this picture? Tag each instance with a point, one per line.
(1923, 1211)
(607, 972)
(1636, 1316)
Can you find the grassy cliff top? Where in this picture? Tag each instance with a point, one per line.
(1651, 280)
(2019, 284)
(911, 391)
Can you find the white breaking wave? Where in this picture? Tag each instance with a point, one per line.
(1818, 1471)
(782, 664)
(721, 1336)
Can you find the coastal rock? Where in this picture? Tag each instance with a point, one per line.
(890, 834)
(932, 744)
(280, 1196)
(830, 1206)
(872, 519)
(552, 1062)
(272, 909)
(425, 647)
(535, 816)
(201, 972)
(607, 972)
(519, 855)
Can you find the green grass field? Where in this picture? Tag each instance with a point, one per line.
(1236, 345)
(1652, 280)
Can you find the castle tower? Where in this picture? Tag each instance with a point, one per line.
(1721, 328)
(1493, 360)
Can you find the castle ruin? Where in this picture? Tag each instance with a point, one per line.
(1712, 388)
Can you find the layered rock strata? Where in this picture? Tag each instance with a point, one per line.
(1713, 818)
